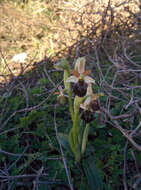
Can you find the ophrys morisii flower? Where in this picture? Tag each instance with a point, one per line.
(90, 105)
(80, 78)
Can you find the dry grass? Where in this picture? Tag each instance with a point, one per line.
(26, 29)
(42, 28)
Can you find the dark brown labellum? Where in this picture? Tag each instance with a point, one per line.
(87, 116)
(94, 106)
(80, 88)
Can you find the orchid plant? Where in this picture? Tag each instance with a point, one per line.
(84, 99)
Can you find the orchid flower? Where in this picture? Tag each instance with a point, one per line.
(80, 73)
(91, 102)
(90, 105)
(80, 78)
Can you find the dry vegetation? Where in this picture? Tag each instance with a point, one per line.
(54, 27)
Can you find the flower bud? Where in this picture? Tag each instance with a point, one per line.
(61, 100)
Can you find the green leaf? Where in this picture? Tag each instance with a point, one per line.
(85, 137)
(71, 140)
(74, 146)
(92, 174)
(64, 141)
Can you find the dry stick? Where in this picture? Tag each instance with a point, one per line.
(47, 182)
(117, 125)
(49, 78)
(138, 147)
(21, 176)
(62, 153)
(137, 168)
(123, 116)
(9, 153)
(115, 63)
(98, 64)
(136, 129)
(127, 57)
(125, 166)
(6, 95)
(137, 182)
(138, 107)
(9, 130)
(36, 182)
(131, 99)
(126, 88)
(29, 109)
(26, 94)
(124, 71)
(6, 63)
(23, 110)
(3, 108)
(22, 154)
(3, 172)
(30, 63)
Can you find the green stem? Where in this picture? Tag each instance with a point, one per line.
(77, 102)
(68, 88)
(74, 135)
(75, 131)
(70, 104)
(75, 127)
(66, 75)
(84, 140)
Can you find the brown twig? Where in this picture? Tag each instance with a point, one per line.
(125, 166)
(123, 131)
(62, 152)
(28, 109)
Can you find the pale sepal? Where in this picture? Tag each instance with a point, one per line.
(80, 65)
(72, 79)
(89, 80)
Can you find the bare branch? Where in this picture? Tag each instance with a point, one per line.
(62, 152)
